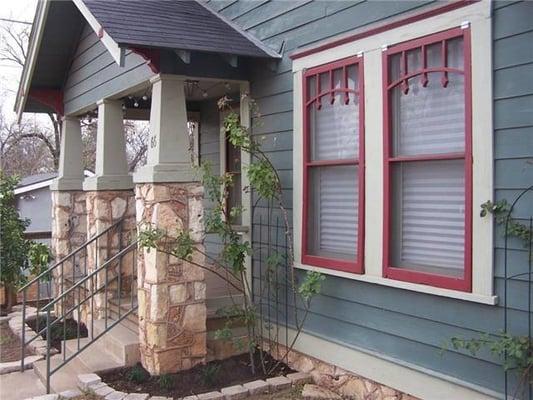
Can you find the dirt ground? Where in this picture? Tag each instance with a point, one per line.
(9, 344)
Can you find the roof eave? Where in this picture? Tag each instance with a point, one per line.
(33, 49)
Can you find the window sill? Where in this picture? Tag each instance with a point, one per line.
(415, 287)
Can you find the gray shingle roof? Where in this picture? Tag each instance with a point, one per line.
(173, 24)
(31, 179)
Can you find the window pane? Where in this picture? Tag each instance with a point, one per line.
(428, 216)
(333, 212)
(334, 129)
(429, 120)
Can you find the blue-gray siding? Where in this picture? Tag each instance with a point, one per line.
(408, 326)
(95, 75)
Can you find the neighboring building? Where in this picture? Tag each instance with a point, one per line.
(391, 123)
(34, 202)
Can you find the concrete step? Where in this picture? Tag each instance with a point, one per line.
(131, 321)
(120, 341)
(66, 378)
(92, 357)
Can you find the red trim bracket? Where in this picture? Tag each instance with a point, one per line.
(153, 56)
(52, 98)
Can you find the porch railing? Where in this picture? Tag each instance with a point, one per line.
(99, 282)
(65, 274)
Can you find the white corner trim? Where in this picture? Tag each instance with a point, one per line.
(36, 37)
(478, 15)
(116, 52)
(405, 377)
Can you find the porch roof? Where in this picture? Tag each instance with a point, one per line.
(172, 24)
(122, 24)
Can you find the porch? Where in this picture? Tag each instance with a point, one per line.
(137, 304)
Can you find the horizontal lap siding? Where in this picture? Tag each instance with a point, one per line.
(95, 75)
(411, 327)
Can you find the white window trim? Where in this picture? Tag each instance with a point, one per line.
(478, 16)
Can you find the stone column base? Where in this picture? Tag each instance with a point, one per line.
(69, 231)
(172, 309)
(104, 208)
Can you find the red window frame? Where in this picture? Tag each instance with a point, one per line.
(355, 266)
(405, 274)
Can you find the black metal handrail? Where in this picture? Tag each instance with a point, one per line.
(80, 253)
(91, 280)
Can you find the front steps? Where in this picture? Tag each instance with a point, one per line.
(120, 346)
(117, 348)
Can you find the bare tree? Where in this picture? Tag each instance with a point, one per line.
(20, 154)
(15, 39)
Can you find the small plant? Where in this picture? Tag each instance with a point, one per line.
(166, 382)
(210, 374)
(138, 374)
(500, 210)
(231, 262)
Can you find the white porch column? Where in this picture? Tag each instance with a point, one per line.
(168, 158)
(70, 175)
(111, 164)
(171, 291)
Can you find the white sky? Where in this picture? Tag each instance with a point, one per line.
(9, 73)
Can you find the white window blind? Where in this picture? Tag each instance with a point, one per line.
(428, 209)
(428, 193)
(333, 198)
(333, 211)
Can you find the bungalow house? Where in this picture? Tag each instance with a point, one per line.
(429, 114)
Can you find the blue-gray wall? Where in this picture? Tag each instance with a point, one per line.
(95, 75)
(407, 326)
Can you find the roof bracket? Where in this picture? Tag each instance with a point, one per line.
(184, 55)
(231, 59)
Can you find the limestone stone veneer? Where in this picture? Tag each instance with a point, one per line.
(172, 292)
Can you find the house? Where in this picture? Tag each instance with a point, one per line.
(390, 123)
(33, 201)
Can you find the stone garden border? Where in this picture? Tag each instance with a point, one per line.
(12, 366)
(38, 346)
(92, 382)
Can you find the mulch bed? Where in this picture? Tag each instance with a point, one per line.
(9, 344)
(200, 379)
(69, 330)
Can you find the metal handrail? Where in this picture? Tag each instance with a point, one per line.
(69, 255)
(87, 277)
(71, 291)
(81, 253)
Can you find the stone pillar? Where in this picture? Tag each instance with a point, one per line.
(172, 309)
(109, 197)
(104, 208)
(69, 229)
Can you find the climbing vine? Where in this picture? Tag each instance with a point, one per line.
(231, 263)
(515, 352)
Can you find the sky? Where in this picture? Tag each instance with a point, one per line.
(9, 73)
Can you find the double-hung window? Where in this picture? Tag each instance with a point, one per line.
(333, 159)
(428, 160)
